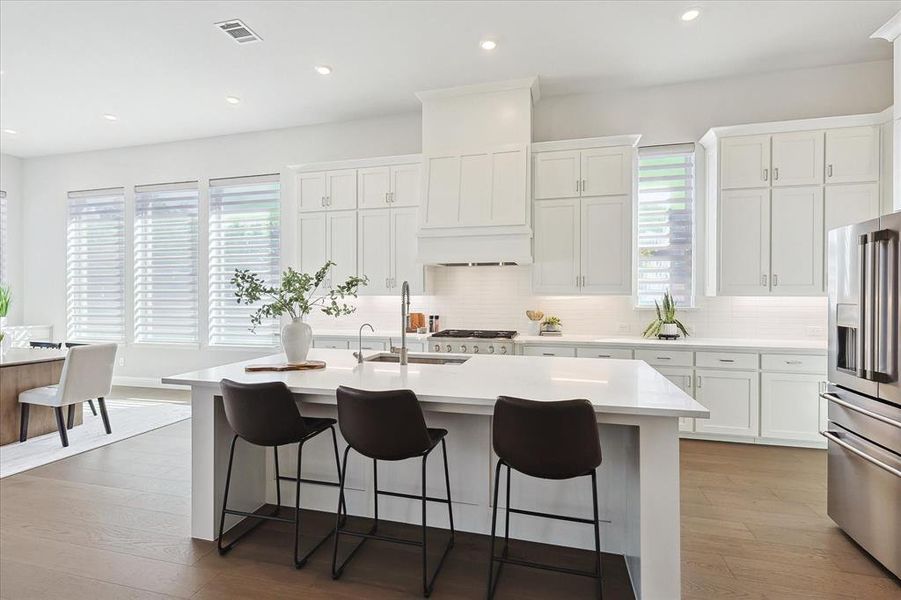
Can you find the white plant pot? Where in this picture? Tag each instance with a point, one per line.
(669, 329)
(297, 337)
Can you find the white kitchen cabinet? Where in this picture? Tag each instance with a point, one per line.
(852, 154)
(796, 217)
(797, 158)
(745, 162)
(606, 171)
(606, 245)
(373, 187)
(565, 351)
(327, 190)
(683, 378)
(743, 239)
(332, 343)
(387, 250)
(405, 183)
(790, 406)
(604, 352)
(850, 203)
(733, 399)
(557, 174)
(328, 236)
(557, 247)
(478, 188)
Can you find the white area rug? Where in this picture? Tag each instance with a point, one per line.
(128, 417)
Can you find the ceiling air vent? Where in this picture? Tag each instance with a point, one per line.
(238, 31)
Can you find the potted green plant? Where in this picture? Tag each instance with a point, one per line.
(296, 296)
(666, 324)
(5, 301)
(551, 324)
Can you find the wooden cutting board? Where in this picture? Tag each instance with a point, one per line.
(304, 366)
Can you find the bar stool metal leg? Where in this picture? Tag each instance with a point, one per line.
(597, 534)
(492, 579)
(278, 482)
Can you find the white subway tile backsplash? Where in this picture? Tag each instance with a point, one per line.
(497, 298)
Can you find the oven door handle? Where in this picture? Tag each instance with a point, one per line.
(868, 413)
(832, 437)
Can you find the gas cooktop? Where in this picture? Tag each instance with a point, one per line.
(482, 334)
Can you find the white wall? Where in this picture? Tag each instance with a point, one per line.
(477, 297)
(11, 183)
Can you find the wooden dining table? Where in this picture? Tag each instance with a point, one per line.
(23, 369)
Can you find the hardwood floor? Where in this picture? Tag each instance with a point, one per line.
(113, 523)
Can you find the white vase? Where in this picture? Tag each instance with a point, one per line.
(669, 329)
(297, 337)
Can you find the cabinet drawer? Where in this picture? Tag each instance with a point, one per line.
(674, 358)
(793, 363)
(726, 360)
(623, 353)
(549, 351)
(334, 343)
(375, 345)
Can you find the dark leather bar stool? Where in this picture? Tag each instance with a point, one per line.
(266, 414)
(389, 425)
(548, 440)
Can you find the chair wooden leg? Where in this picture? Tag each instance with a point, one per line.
(61, 425)
(93, 408)
(23, 421)
(70, 417)
(104, 415)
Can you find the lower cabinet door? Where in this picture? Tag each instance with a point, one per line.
(683, 377)
(790, 406)
(733, 399)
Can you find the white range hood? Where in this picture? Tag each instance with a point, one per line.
(475, 146)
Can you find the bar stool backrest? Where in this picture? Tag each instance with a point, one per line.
(551, 440)
(264, 414)
(385, 425)
(87, 373)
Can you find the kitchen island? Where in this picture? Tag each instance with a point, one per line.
(638, 482)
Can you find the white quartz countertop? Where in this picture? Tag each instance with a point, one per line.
(367, 335)
(690, 343)
(612, 386)
(27, 356)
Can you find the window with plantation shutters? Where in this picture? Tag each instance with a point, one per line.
(666, 224)
(165, 264)
(244, 233)
(95, 266)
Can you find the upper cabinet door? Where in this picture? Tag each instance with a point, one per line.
(556, 174)
(312, 246)
(606, 245)
(311, 191)
(745, 162)
(606, 171)
(852, 154)
(403, 250)
(341, 238)
(797, 241)
(850, 204)
(406, 186)
(373, 187)
(797, 158)
(744, 242)
(557, 255)
(342, 189)
(374, 250)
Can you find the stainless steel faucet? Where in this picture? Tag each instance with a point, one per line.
(359, 355)
(404, 320)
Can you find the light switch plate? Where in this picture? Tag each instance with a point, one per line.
(623, 328)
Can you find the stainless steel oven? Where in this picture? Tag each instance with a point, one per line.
(864, 391)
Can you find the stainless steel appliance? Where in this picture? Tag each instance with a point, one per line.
(472, 341)
(864, 391)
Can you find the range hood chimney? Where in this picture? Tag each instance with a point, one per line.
(475, 147)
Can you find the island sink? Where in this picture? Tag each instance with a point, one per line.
(417, 359)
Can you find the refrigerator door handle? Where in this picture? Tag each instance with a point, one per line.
(885, 367)
(870, 365)
(862, 301)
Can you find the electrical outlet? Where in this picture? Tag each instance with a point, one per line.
(121, 361)
(815, 331)
(623, 328)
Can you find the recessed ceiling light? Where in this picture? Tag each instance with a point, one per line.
(10, 131)
(233, 100)
(488, 44)
(110, 117)
(323, 69)
(691, 15)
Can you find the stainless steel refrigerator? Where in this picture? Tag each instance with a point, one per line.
(864, 392)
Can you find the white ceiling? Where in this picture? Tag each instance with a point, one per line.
(165, 70)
